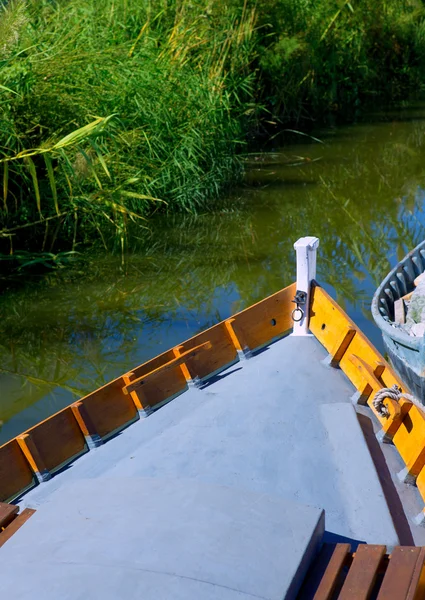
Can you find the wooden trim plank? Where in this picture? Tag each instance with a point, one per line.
(175, 362)
(54, 442)
(403, 573)
(16, 474)
(342, 346)
(16, 524)
(324, 576)
(33, 457)
(363, 572)
(7, 513)
(417, 585)
(86, 425)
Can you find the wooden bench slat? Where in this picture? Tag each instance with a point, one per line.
(16, 524)
(7, 512)
(417, 584)
(323, 576)
(362, 574)
(399, 574)
(333, 570)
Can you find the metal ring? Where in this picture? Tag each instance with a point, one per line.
(298, 309)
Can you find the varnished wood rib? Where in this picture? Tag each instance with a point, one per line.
(399, 575)
(363, 572)
(7, 513)
(342, 346)
(172, 364)
(15, 472)
(16, 524)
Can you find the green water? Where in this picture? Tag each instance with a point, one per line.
(361, 192)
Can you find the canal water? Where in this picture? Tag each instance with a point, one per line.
(359, 188)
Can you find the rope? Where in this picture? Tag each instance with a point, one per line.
(394, 393)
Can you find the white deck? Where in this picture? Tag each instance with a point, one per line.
(275, 430)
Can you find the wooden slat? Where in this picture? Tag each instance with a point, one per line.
(135, 384)
(153, 364)
(58, 439)
(342, 346)
(160, 387)
(330, 578)
(266, 320)
(222, 353)
(402, 569)
(324, 575)
(15, 472)
(363, 572)
(16, 524)
(7, 513)
(109, 409)
(417, 585)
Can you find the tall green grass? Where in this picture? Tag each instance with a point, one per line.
(111, 111)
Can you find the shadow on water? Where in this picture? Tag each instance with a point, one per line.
(361, 192)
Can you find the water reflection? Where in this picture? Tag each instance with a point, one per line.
(361, 192)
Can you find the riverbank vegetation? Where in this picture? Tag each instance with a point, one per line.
(112, 111)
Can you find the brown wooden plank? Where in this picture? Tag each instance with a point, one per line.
(323, 576)
(333, 570)
(266, 320)
(160, 387)
(7, 513)
(152, 364)
(399, 574)
(222, 353)
(108, 408)
(417, 584)
(169, 366)
(362, 574)
(15, 472)
(16, 524)
(58, 439)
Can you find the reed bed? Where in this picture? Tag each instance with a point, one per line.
(112, 111)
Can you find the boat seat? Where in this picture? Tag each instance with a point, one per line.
(7, 514)
(338, 574)
(11, 521)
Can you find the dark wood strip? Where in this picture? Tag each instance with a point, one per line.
(7, 513)
(333, 570)
(417, 584)
(399, 574)
(342, 347)
(16, 524)
(362, 574)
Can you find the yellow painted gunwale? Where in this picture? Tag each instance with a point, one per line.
(58, 439)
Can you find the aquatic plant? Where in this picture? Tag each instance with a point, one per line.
(110, 112)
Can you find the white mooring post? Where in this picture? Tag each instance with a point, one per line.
(306, 248)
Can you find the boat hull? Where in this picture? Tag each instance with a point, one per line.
(406, 353)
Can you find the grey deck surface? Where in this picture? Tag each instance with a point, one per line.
(162, 538)
(280, 425)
